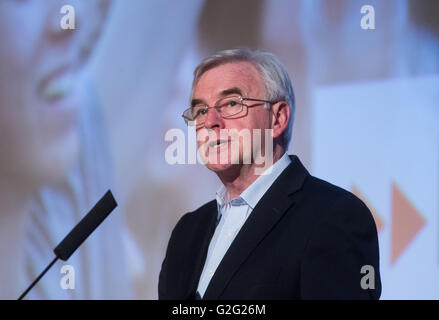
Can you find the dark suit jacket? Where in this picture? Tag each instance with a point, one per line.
(305, 239)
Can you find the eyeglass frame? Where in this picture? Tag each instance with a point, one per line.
(241, 99)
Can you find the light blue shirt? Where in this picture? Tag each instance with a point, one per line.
(232, 216)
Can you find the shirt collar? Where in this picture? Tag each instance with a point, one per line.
(222, 196)
(258, 188)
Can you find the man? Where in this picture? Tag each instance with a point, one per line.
(282, 234)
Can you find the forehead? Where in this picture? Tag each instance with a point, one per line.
(242, 75)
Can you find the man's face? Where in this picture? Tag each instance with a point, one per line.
(220, 82)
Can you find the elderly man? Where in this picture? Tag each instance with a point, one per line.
(279, 234)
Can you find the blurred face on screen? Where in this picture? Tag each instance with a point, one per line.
(40, 86)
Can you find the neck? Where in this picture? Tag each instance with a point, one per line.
(238, 178)
(14, 202)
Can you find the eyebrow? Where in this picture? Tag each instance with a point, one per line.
(234, 90)
(194, 102)
(224, 93)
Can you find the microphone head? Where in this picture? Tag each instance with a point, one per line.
(86, 226)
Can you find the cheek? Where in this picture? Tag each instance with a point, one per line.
(251, 123)
(239, 124)
(257, 125)
(202, 136)
(14, 86)
(22, 25)
(14, 119)
(18, 115)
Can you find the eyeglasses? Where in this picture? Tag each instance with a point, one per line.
(228, 108)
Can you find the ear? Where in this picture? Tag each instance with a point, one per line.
(280, 119)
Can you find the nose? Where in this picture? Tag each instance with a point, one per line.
(88, 20)
(213, 119)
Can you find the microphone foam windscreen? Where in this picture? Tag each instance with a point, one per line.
(86, 226)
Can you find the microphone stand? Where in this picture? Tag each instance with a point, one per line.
(79, 233)
(38, 279)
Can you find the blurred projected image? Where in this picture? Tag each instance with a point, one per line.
(53, 157)
(85, 110)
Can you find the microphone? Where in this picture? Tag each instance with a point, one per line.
(79, 233)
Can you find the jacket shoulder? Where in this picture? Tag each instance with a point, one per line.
(329, 203)
(343, 238)
(327, 193)
(201, 213)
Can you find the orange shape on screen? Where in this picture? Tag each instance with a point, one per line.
(378, 221)
(406, 223)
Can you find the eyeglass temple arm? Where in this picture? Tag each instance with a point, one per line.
(250, 99)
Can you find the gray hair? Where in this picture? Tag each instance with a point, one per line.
(276, 79)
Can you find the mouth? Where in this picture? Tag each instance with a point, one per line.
(218, 143)
(57, 85)
(58, 92)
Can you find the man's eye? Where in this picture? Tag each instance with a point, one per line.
(196, 112)
(199, 110)
(232, 103)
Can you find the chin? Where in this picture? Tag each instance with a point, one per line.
(225, 166)
(59, 158)
(220, 167)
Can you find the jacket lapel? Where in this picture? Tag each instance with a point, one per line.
(269, 210)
